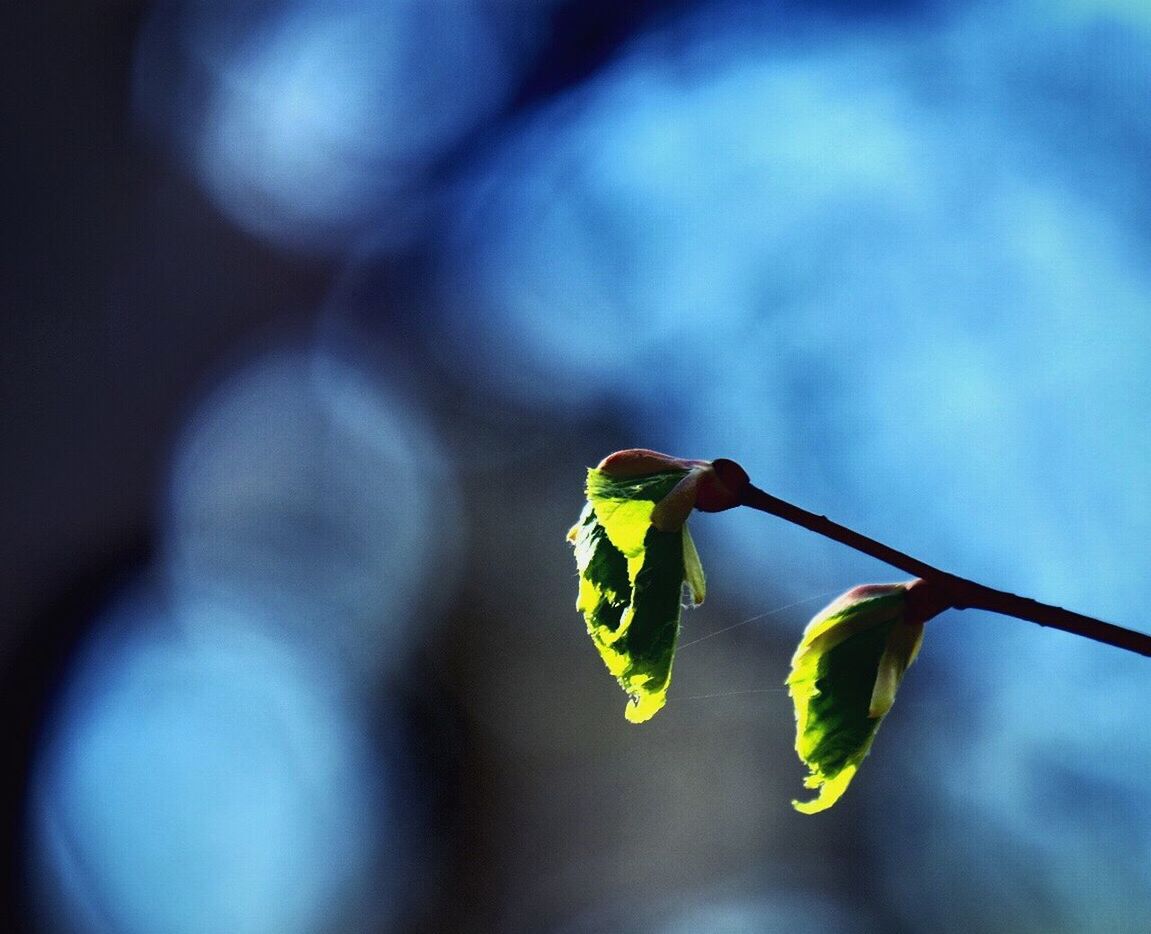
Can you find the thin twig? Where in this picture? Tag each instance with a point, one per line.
(961, 593)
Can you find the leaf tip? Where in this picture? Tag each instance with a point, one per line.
(830, 790)
(642, 707)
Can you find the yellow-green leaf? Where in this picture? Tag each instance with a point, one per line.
(633, 578)
(843, 680)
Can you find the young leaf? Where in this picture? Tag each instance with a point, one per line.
(633, 574)
(843, 680)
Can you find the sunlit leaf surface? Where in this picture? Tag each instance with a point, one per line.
(843, 681)
(633, 580)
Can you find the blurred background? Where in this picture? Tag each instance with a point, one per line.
(313, 316)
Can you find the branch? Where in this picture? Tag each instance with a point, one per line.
(961, 593)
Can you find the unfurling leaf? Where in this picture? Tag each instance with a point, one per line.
(844, 676)
(637, 568)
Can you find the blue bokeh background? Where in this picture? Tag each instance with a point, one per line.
(321, 310)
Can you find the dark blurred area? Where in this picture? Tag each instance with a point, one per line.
(313, 316)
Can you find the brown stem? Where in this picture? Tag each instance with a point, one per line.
(962, 593)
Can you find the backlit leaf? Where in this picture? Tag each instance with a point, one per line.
(633, 578)
(843, 680)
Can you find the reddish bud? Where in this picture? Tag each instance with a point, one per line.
(722, 486)
(926, 599)
(710, 486)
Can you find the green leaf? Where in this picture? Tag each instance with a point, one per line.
(843, 680)
(633, 578)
